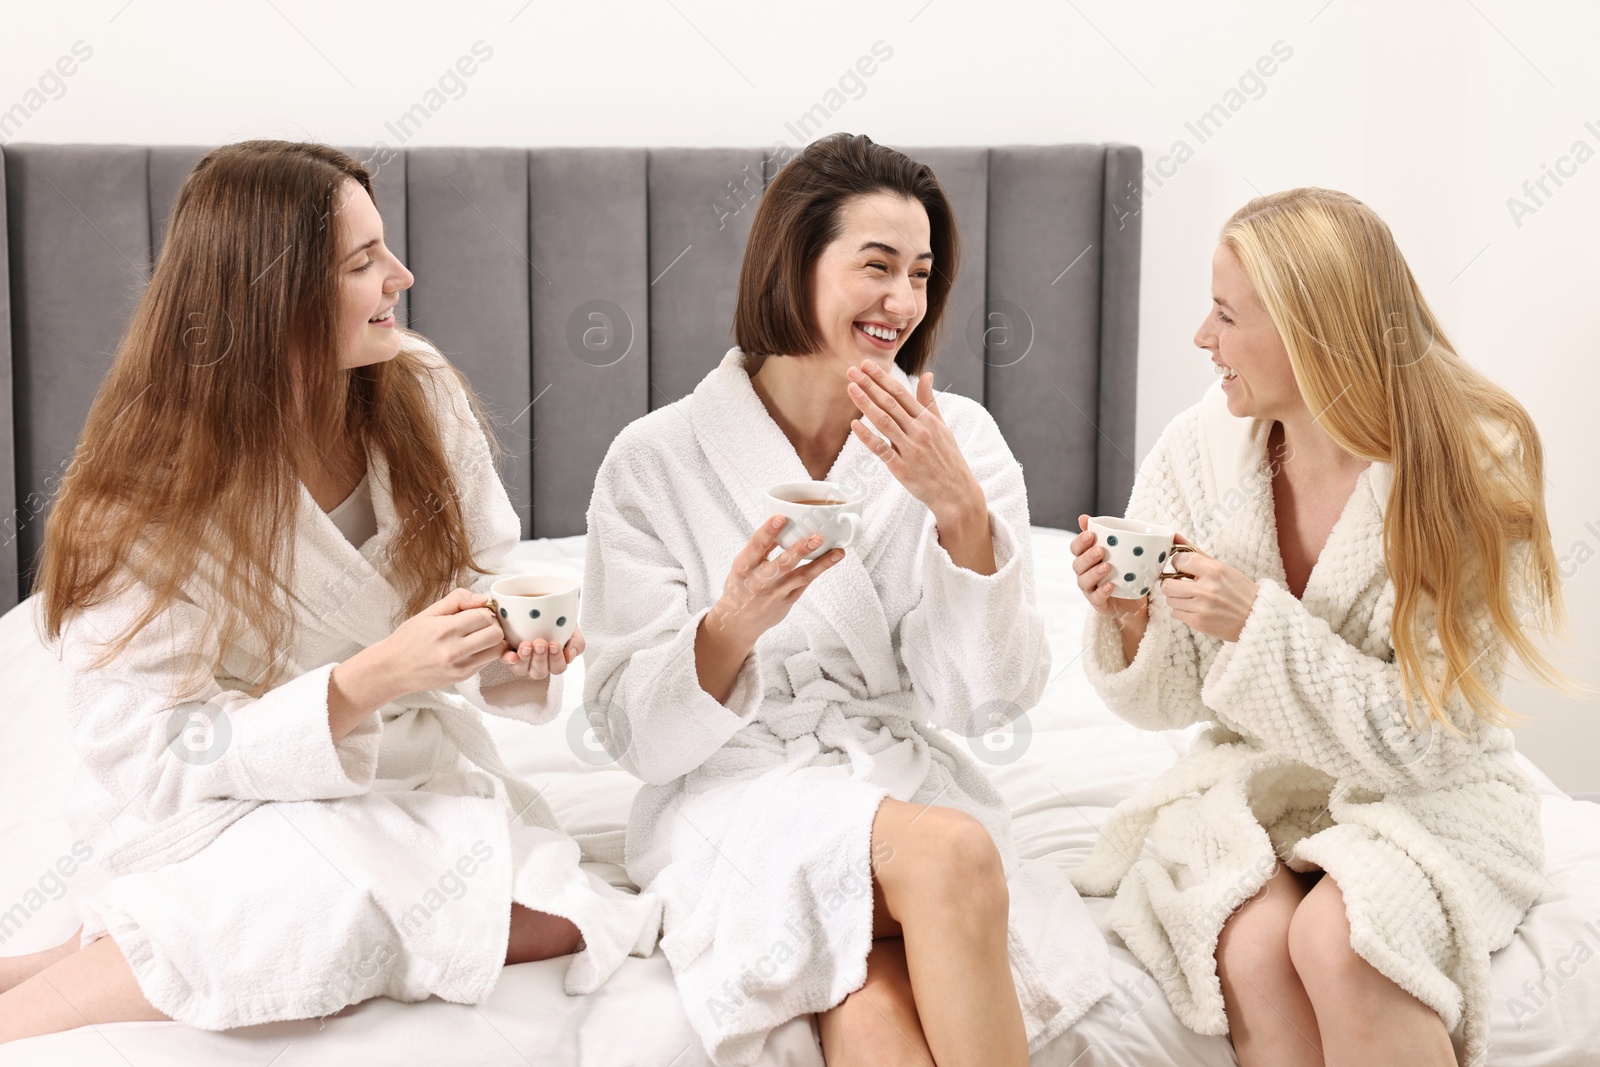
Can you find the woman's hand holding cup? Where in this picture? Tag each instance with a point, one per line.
(1096, 583)
(759, 592)
(540, 659)
(446, 642)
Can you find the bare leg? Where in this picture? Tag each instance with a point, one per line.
(91, 986)
(1364, 1017)
(538, 936)
(939, 879)
(1270, 1019)
(14, 970)
(877, 1025)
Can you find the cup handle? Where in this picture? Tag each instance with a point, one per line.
(1175, 573)
(852, 520)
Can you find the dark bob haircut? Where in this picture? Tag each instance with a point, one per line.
(799, 216)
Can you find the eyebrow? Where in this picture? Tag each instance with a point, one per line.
(1223, 303)
(357, 251)
(890, 249)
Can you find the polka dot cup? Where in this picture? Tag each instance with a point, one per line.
(1137, 552)
(536, 607)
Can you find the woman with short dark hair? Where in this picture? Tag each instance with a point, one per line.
(818, 846)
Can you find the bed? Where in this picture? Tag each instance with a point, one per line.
(1061, 768)
(579, 289)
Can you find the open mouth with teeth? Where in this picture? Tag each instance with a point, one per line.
(385, 319)
(1228, 373)
(881, 336)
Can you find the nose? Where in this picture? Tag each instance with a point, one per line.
(1206, 336)
(400, 277)
(901, 300)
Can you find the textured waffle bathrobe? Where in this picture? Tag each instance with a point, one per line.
(1433, 837)
(252, 869)
(755, 824)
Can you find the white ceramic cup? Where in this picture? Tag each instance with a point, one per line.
(1136, 551)
(536, 607)
(838, 524)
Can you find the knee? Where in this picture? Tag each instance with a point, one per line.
(953, 858)
(1319, 943)
(1255, 938)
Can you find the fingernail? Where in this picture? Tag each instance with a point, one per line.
(777, 523)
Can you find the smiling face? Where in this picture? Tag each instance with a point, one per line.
(869, 287)
(370, 282)
(1245, 346)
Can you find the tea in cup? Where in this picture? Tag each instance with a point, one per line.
(536, 607)
(821, 508)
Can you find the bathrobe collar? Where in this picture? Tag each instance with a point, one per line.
(338, 587)
(1235, 471)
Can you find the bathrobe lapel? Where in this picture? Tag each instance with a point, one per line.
(339, 588)
(1236, 477)
(748, 452)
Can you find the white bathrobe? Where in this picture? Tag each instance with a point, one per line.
(255, 870)
(755, 824)
(1432, 837)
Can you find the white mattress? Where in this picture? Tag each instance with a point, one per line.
(1072, 762)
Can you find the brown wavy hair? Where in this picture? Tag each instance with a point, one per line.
(801, 213)
(225, 385)
(1465, 530)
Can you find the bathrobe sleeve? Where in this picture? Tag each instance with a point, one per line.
(1160, 689)
(640, 676)
(974, 645)
(161, 756)
(1305, 690)
(496, 532)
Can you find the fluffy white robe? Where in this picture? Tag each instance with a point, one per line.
(1433, 837)
(755, 824)
(255, 870)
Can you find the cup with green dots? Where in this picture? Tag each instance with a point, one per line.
(1136, 551)
(535, 607)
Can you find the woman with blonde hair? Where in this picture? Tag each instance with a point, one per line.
(1324, 876)
(265, 575)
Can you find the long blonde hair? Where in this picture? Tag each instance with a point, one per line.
(187, 455)
(1468, 489)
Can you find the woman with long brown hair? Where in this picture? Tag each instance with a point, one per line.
(1324, 876)
(266, 575)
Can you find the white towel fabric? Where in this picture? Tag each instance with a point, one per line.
(1432, 837)
(755, 824)
(255, 870)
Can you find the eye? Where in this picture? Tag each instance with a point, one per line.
(881, 266)
(1223, 317)
(364, 266)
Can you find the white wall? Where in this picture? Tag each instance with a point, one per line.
(1433, 111)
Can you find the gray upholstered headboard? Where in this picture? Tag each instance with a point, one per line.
(579, 288)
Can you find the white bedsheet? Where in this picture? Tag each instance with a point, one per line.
(1069, 761)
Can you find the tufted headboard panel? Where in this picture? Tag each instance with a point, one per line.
(579, 288)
